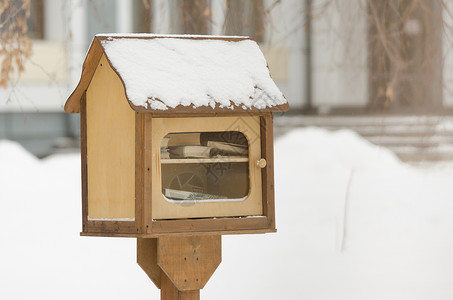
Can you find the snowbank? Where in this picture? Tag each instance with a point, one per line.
(353, 223)
(314, 147)
(42, 255)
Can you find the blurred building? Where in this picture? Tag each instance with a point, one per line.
(328, 57)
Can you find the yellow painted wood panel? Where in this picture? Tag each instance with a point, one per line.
(110, 147)
(251, 206)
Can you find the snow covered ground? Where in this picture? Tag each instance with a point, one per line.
(353, 223)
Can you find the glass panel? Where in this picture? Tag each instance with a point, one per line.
(205, 166)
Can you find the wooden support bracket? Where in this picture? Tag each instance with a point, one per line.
(180, 266)
(147, 259)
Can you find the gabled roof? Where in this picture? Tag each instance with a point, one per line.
(184, 73)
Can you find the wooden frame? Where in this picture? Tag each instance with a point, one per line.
(145, 226)
(251, 206)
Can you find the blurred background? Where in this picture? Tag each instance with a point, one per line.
(354, 222)
(380, 67)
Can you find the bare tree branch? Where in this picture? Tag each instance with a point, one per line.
(15, 45)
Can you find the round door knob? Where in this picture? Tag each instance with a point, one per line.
(261, 163)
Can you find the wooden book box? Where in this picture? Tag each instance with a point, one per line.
(176, 135)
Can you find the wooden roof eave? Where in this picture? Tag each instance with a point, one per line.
(94, 54)
(190, 110)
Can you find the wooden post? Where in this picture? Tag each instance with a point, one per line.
(180, 266)
(168, 291)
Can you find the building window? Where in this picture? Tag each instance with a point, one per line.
(15, 11)
(191, 16)
(101, 15)
(405, 54)
(35, 22)
(245, 18)
(142, 11)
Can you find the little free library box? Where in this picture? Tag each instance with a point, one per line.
(176, 136)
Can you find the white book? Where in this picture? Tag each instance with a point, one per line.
(184, 195)
(228, 148)
(189, 151)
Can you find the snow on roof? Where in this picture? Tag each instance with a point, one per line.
(163, 72)
(157, 35)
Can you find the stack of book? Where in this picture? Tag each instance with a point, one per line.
(213, 145)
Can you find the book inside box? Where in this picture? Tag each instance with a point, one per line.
(205, 166)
